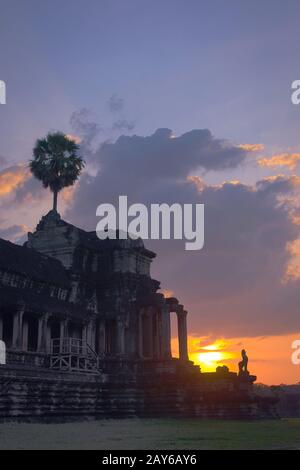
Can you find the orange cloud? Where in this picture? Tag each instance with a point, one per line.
(12, 178)
(200, 184)
(251, 147)
(289, 160)
(197, 181)
(292, 272)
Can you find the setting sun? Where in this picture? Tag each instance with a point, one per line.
(212, 356)
(208, 356)
(210, 360)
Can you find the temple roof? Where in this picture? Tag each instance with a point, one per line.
(39, 267)
(90, 239)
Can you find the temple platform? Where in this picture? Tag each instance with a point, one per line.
(159, 390)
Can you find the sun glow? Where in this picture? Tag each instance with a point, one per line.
(212, 356)
(209, 355)
(209, 361)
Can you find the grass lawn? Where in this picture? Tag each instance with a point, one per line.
(153, 434)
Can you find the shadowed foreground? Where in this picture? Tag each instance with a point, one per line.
(153, 434)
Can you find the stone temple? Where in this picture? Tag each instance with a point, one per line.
(87, 334)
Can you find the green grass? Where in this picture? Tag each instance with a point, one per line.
(153, 434)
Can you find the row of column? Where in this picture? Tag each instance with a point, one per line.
(159, 334)
(20, 330)
(155, 333)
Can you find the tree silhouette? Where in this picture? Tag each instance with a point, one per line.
(56, 163)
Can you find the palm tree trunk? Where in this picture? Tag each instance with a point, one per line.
(55, 193)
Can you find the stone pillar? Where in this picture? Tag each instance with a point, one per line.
(1, 328)
(140, 333)
(42, 333)
(182, 335)
(150, 338)
(85, 332)
(63, 331)
(92, 334)
(48, 337)
(88, 333)
(64, 328)
(17, 339)
(156, 335)
(120, 337)
(166, 333)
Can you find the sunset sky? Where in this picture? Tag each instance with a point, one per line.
(172, 101)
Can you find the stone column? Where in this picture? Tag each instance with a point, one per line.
(140, 333)
(63, 331)
(85, 332)
(42, 333)
(88, 334)
(92, 334)
(156, 335)
(182, 335)
(48, 339)
(17, 339)
(166, 332)
(120, 337)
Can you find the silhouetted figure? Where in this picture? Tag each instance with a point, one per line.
(243, 364)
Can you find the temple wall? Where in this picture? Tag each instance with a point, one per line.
(94, 340)
(26, 395)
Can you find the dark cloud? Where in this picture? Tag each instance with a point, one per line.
(115, 103)
(123, 125)
(83, 123)
(161, 155)
(234, 286)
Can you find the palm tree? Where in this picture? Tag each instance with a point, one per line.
(56, 163)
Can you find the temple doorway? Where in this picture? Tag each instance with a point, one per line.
(110, 337)
(75, 330)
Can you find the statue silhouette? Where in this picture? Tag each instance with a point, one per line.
(243, 364)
